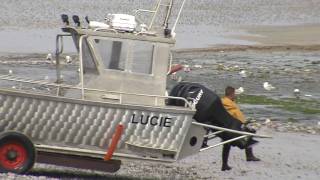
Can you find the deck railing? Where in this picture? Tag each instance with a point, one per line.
(59, 87)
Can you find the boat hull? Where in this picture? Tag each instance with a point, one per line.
(58, 121)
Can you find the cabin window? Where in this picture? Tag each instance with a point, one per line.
(142, 54)
(88, 63)
(113, 53)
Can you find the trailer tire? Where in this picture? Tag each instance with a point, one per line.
(17, 153)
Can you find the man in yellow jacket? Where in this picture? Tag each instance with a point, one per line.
(229, 104)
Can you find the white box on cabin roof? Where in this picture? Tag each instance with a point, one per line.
(122, 22)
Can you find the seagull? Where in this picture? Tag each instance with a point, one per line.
(68, 59)
(10, 72)
(49, 57)
(267, 121)
(268, 86)
(46, 78)
(198, 66)
(296, 92)
(240, 90)
(243, 73)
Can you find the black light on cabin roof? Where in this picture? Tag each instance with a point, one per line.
(76, 20)
(167, 32)
(65, 19)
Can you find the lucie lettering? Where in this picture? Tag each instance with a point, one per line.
(152, 120)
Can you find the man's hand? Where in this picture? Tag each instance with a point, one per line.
(248, 129)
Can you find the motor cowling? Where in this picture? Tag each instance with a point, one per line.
(209, 110)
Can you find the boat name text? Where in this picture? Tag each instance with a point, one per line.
(152, 120)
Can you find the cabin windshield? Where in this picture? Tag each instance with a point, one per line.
(89, 64)
(124, 55)
(113, 53)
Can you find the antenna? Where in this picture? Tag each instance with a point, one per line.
(169, 9)
(178, 17)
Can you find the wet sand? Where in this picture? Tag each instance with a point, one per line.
(302, 35)
(203, 24)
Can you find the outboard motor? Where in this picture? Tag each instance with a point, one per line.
(209, 110)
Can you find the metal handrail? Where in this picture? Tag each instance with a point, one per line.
(154, 12)
(59, 50)
(214, 134)
(58, 86)
(81, 65)
(221, 129)
(224, 142)
(230, 130)
(106, 30)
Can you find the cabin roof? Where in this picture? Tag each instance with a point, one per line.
(121, 35)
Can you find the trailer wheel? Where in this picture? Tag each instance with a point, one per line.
(17, 153)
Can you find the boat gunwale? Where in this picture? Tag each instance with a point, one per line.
(42, 96)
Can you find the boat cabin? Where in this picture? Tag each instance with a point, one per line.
(127, 67)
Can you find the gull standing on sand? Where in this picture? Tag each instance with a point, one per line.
(267, 86)
(243, 73)
(296, 93)
(267, 121)
(68, 59)
(49, 57)
(240, 90)
(198, 66)
(10, 72)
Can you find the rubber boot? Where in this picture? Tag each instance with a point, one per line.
(250, 156)
(205, 140)
(205, 143)
(225, 156)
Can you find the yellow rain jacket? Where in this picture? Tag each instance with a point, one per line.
(233, 109)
